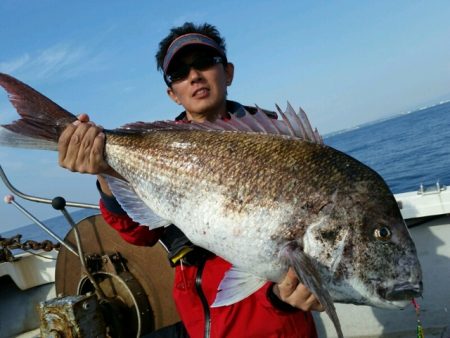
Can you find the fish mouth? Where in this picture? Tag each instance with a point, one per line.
(401, 291)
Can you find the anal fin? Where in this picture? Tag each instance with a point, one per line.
(236, 286)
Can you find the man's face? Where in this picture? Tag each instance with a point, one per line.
(202, 92)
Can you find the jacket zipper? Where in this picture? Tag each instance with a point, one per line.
(198, 287)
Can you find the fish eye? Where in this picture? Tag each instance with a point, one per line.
(383, 233)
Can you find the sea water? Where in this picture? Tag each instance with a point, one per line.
(407, 150)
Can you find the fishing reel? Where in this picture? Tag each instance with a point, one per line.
(120, 290)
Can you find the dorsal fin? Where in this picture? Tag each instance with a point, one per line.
(295, 125)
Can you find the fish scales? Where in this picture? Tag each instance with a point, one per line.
(267, 161)
(254, 173)
(259, 175)
(263, 202)
(285, 175)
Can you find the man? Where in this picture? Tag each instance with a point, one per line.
(197, 73)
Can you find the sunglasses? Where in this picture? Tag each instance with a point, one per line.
(181, 71)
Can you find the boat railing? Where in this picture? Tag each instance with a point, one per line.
(57, 203)
(434, 189)
(28, 197)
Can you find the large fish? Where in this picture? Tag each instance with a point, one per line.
(263, 194)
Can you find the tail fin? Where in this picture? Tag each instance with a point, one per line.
(42, 120)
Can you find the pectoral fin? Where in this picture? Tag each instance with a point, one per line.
(133, 205)
(293, 256)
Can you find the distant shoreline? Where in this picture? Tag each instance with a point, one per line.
(386, 118)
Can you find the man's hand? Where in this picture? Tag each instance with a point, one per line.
(292, 292)
(81, 147)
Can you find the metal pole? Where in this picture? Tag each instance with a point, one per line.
(10, 200)
(59, 204)
(40, 199)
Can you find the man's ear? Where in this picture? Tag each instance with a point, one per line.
(172, 95)
(229, 73)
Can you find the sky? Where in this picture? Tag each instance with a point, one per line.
(344, 62)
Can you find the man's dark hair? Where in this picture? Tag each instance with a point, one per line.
(188, 27)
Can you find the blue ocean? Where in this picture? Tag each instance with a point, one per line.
(406, 150)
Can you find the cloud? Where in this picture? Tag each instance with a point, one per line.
(61, 60)
(12, 65)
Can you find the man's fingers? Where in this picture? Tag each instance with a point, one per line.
(63, 142)
(304, 299)
(291, 274)
(85, 148)
(317, 307)
(83, 118)
(73, 148)
(96, 155)
(301, 294)
(288, 285)
(313, 304)
(81, 147)
(291, 291)
(76, 153)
